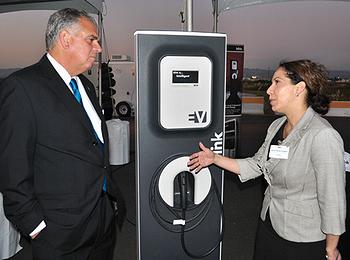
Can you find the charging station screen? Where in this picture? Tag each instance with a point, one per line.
(185, 76)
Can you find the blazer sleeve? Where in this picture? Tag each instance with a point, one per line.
(17, 149)
(253, 167)
(327, 156)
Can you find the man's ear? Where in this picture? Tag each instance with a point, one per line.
(300, 88)
(64, 39)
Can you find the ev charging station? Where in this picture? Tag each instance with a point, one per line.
(180, 78)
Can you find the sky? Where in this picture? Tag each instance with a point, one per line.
(317, 30)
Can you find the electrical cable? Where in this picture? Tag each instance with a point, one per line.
(168, 223)
(130, 222)
(211, 250)
(114, 170)
(103, 39)
(197, 213)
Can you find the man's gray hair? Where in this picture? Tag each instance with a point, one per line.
(63, 19)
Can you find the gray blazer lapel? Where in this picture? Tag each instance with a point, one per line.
(271, 163)
(300, 129)
(291, 141)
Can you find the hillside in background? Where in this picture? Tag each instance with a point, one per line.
(337, 91)
(267, 74)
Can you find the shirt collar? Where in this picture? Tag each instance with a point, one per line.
(60, 69)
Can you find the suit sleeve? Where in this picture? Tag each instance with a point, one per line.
(17, 151)
(327, 157)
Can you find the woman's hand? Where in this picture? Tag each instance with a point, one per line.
(333, 254)
(206, 157)
(201, 159)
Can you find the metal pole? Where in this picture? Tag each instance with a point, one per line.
(189, 15)
(182, 15)
(215, 15)
(99, 58)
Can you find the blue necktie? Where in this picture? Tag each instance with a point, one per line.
(74, 86)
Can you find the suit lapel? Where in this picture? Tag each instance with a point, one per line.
(300, 129)
(271, 163)
(58, 86)
(292, 139)
(90, 91)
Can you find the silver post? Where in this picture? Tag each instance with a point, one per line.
(99, 58)
(189, 15)
(215, 15)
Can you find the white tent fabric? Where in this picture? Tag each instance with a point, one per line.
(226, 5)
(90, 6)
(9, 239)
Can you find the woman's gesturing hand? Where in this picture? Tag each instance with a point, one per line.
(201, 159)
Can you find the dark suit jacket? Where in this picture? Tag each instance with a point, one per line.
(51, 165)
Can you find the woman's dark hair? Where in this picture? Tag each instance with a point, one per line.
(315, 77)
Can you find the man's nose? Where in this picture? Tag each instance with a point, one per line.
(98, 47)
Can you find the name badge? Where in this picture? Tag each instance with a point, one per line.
(279, 152)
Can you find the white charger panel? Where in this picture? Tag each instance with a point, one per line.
(185, 92)
(202, 181)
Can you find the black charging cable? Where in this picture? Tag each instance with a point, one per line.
(158, 205)
(158, 208)
(221, 237)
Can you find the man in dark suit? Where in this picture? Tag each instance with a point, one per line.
(54, 161)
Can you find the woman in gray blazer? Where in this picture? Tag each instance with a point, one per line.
(303, 212)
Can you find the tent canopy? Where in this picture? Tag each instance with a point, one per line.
(90, 6)
(225, 5)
